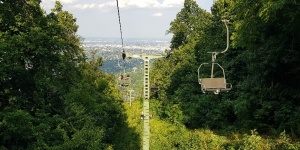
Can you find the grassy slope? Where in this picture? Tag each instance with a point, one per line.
(166, 135)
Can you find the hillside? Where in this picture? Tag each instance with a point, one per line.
(55, 93)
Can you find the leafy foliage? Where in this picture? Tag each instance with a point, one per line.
(189, 21)
(261, 63)
(50, 96)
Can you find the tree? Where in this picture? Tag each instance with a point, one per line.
(176, 76)
(187, 24)
(267, 33)
(50, 96)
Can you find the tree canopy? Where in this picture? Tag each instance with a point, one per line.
(261, 63)
(51, 97)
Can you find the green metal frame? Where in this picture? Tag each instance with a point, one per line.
(146, 104)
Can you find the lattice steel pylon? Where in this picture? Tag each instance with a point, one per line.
(146, 104)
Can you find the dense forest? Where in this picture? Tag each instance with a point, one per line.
(262, 64)
(52, 97)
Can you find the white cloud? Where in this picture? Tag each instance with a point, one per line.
(172, 3)
(48, 4)
(67, 1)
(133, 4)
(84, 6)
(111, 4)
(62, 1)
(157, 14)
(107, 5)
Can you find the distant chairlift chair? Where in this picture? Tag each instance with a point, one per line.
(154, 89)
(124, 80)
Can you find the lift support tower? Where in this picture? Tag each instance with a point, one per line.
(146, 106)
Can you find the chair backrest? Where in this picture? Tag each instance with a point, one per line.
(213, 83)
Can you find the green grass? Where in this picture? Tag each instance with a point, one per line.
(167, 135)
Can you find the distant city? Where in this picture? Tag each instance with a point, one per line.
(110, 50)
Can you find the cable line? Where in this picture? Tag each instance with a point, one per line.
(123, 52)
(124, 80)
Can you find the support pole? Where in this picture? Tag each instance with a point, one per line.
(130, 96)
(146, 107)
(146, 104)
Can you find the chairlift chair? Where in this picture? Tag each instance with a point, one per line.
(154, 89)
(212, 84)
(124, 80)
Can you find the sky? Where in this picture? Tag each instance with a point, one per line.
(139, 18)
